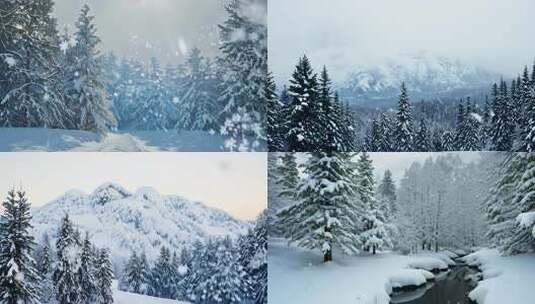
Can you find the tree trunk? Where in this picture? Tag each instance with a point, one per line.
(373, 249)
(327, 256)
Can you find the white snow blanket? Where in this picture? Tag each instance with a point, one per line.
(506, 279)
(43, 139)
(121, 297)
(298, 275)
(429, 263)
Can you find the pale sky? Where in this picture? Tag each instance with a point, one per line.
(496, 34)
(233, 182)
(397, 163)
(140, 28)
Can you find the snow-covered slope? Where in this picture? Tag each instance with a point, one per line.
(142, 221)
(426, 77)
(43, 139)
(122, 297)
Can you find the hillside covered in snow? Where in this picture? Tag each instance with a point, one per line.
(144, 220)
(426, 76)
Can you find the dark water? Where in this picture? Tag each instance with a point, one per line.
(448, 288)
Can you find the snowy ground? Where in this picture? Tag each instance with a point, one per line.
(506, 279)
(121, 297)
(41, 139)
(299, 276)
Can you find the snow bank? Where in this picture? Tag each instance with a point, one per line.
(433, 264)
(408, 278)
(506, 279)
(444, 256)
(298, 275)
(121, 297)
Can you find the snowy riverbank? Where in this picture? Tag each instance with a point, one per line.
(42, 139)
(506, 279)
(299, 276)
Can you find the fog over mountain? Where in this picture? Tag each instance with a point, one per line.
(345, 35)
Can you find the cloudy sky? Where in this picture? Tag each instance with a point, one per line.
(496, 34)
(397, 163)
(163, 28)
(234, 182)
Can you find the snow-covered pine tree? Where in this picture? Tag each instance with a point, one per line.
(161, 277)
(448, 141)
(344, 119)
(288, 177)
(502, 126)
(499, 207)
(386, 191)
(471, 129)
(183, 272)
(386, 126)
(28, 53)
(152, 110)
(86, 273)
(197, 104)
(422, 142)
(459, 127)
(19, 277)
(404, 133)
(45, 270)
(244, 64)
(67, 286)
(486, 124)
(275, 117)
(133, 276)
(258, 265)
(203, 262)
(331, 122)
(373, 233)
(304, 113)
(325, 215)
(523, 235)
(85, 85)
(526, 136)
(373, 137)
(225, 282)
(436, 140)
(104, 277)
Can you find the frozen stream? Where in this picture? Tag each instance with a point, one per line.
(448, 288)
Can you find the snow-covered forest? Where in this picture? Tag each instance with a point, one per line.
(336, 221)
(64, 266)
(309, 115)
(55, 78)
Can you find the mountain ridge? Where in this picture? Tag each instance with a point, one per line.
(143, 220)
(427, 77)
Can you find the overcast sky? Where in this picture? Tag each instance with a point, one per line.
(496, 34)
(234, 182)
(397, 163)
(163, 28)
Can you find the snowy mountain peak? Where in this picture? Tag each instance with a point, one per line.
(108, 192)
(426, 76)
(144, 221)
(148, 193)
